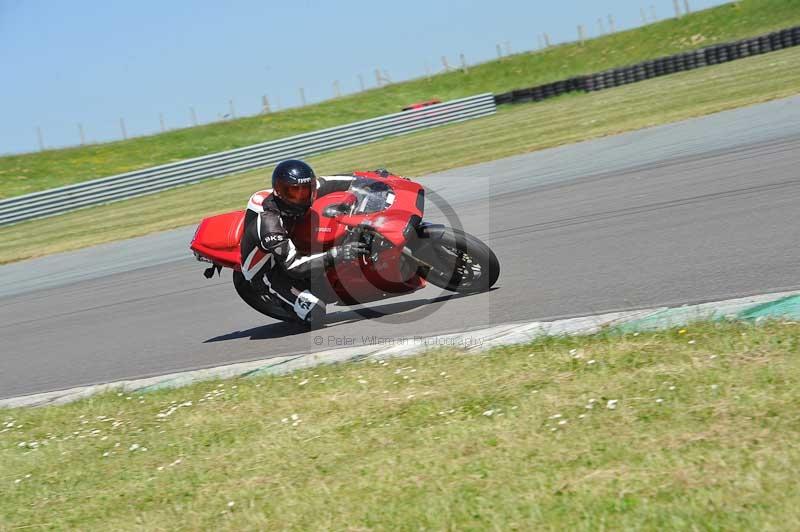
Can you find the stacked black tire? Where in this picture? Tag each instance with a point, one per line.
(663, 66)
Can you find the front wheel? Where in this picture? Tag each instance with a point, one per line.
(459, 262)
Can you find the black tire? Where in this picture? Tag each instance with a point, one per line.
(448, 255)
(261, 303)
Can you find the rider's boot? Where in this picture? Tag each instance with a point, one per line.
(310, 309)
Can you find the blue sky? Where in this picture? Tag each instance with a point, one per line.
(92, 62)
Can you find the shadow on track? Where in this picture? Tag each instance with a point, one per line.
(282, 329)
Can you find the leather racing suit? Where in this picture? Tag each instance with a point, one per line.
(270, 260)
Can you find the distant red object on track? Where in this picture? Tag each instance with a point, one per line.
(420, 105)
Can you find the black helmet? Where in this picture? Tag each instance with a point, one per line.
(294, 186)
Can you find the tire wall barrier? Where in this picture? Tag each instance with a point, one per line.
(662, 66)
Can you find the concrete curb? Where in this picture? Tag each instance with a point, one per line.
(785, 305)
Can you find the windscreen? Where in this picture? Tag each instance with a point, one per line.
(371, 196)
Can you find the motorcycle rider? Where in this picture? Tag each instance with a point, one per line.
(270, 261)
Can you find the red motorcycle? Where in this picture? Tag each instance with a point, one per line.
(385, 212)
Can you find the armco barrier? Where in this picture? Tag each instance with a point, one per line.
(663, 66)
(151, 180)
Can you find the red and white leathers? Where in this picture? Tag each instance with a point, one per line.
(269, 257)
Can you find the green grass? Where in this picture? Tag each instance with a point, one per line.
(515, 129)
(38, 171)
(703, 435)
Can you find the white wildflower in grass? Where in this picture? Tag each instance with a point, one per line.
(581, 416)
(612, 404)
(17, 481)
(562, 422)
(692, 342)
(555, 416)
(160, 468)
(553, 429)
(714, 386)
(659, 400)
(294, 417)
(106, 454)
(303, 382)
(410, 396)
(636, 334)
(712, 357)
(362, 381)
(231, 504)
(672, 387)
(442, 374)
(133, 447)
(590, 362)
(488, 413)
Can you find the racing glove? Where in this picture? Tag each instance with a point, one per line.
(349, 252)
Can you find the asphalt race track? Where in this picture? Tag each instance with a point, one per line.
(701, 210)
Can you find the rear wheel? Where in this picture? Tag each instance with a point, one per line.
(460, 262)
(261, 303)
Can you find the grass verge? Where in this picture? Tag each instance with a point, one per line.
(39, 171)
(696, 428)
(514, 130)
